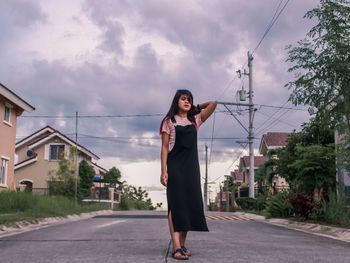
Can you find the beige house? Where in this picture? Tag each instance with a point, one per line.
(271, 141)
(244, 165)
(11, 106)
(39, 153)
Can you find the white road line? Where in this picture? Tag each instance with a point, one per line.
(111, 223)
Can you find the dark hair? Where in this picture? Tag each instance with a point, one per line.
(174, 107)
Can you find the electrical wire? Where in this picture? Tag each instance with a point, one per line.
(265, 123)
(272, 22)
(272, 123)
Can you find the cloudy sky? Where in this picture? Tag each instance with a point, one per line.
(108, 59)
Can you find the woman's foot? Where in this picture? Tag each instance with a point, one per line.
(186, 251)
(179, 254)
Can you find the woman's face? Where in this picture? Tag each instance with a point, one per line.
(184, 103)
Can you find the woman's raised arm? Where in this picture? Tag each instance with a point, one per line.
(207, 109)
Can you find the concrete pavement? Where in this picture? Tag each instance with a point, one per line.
(143, 236)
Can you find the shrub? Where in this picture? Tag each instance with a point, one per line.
(127, 203)
(335, 211)
(260, 202)
(278, 205)
(302, 204)
(247, 203)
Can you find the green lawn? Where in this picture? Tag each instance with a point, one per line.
(19, 206)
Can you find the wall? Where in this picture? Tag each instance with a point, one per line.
(8, 140)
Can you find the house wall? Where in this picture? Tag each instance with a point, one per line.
(8, 140)
(38, 171)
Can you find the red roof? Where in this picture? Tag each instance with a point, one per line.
(237, 175)
(276, 138)
(258, 160)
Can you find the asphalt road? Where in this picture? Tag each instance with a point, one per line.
(144, 237)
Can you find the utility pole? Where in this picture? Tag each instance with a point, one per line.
(251, 128)
(76, 159)
(227, 199)
(220, 197)
(206, 180)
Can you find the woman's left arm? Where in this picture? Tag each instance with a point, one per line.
(207, 109)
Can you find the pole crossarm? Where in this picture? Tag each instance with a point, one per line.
(236, 118)
(234, 103)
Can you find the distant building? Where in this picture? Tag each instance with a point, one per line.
(271, 141)
(343, 176)
(39, 153)
(11, 106)
(244, 166)
(237, 176)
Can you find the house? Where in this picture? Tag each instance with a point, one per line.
(237, 176)
(271, 141)
(343, 176)
(244, 164)
(11, 106)
(39, 153)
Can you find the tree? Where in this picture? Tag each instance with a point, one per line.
(322, 61)
(319, 131)
(315, 168)
(112, 177)
(86, 175)
(322, 67)
(62, 181)
(267, 170)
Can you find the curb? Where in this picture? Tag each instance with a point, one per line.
(26, 226)
(338, 233)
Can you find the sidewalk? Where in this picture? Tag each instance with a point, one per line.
(338, 233)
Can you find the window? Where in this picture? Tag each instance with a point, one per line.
(3, 171)
(56, 151)
(7, 117)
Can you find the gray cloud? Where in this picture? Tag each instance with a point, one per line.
(213, 34)
(21, 13)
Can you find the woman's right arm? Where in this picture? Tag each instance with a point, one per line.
(164, 157)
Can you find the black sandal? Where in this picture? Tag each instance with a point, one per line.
(185, 250)
(181, 252)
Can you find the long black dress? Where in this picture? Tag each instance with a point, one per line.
(184, 193)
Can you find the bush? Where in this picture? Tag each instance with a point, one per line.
(261, 202)
(247, 203)
(335, 211)
(127, 203)
(302, 204)
(278, 205)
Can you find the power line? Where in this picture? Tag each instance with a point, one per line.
(272, 123)
(279, 107)
(105, 116)
(271, 116)
(286, 123)
(273, 21)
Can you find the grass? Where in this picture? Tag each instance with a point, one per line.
(20, 206)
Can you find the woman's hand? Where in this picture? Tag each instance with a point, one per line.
(164, 178)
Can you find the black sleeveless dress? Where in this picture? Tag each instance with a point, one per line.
(184, 193)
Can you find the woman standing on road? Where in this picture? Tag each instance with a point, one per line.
(180, 168)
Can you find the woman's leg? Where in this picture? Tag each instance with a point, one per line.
(183, 235)
(175, 236)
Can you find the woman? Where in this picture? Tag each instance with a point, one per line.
(180, 168)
